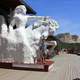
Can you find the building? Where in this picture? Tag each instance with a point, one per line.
(8, 5)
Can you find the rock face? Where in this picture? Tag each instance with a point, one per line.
(67, 37)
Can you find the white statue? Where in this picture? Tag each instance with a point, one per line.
(30, 36)
(20, 20)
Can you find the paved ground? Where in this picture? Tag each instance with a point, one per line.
(66, 67)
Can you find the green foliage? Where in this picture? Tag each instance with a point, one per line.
(68, 45)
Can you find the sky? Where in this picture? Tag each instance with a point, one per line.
(65, 12)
